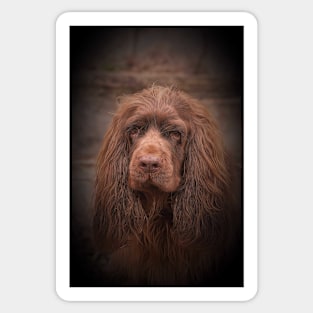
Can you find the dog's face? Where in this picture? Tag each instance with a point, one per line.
(157, 138)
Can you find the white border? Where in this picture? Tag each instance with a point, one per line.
(63, 143)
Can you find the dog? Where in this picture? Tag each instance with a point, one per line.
(164, 211)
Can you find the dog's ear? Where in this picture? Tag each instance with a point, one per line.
(115, 205)
(199, 204)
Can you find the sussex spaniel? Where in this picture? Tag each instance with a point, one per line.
(162, 211)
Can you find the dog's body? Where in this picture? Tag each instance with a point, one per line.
(163, 208)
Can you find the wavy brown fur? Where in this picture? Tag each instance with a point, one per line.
(157, 237)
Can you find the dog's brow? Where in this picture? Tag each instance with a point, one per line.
(173, 124)
(135, 121)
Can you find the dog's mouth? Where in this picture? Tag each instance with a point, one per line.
(152, 181)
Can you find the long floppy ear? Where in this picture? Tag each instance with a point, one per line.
(116, 208)
(200, 203)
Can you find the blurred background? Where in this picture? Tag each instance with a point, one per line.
(107, 62)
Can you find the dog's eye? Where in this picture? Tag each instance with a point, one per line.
(176, 135)
(134, 132)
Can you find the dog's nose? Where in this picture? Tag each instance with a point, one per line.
(150, 163)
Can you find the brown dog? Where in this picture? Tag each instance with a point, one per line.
(162, 198)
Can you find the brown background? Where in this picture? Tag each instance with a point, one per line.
(108, 62)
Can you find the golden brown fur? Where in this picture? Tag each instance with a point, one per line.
(162, 210)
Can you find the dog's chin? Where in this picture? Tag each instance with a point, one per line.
(153, 184)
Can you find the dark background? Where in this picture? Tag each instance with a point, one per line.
(106, 62)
